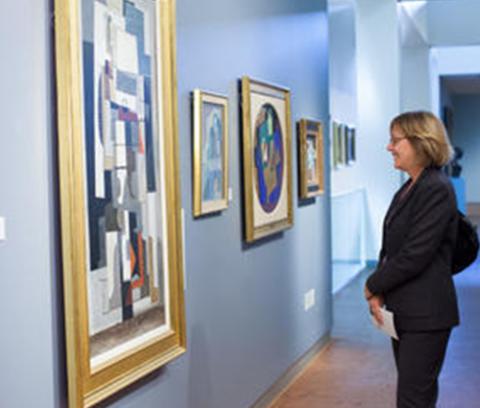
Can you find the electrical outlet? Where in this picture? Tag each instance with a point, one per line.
(306, 301)
(309, 299)
(3, 234)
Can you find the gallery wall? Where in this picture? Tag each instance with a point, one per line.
(31, 340)
(415, 78)
(466, 134)
(377, 100)
(348, 199)
(343, 78)
(347, 236)
(246, 322)
(455, 60)
(342, 61)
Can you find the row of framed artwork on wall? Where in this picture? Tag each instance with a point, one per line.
(267, 162)
(120, 199)
(343, 145)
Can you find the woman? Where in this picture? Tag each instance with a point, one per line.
(414, 274)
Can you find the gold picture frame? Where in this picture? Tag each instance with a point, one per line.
(267, 166)
(210, 152)
(310, 145)
(116, 114)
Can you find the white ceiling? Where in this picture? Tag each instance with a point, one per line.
(441, 22)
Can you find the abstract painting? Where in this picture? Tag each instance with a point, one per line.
(125, 277)
(210, 139)
(116, 103)
(266, 158)
(310, 144)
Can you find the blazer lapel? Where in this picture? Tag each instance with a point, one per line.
(396, 203)
(399, 202)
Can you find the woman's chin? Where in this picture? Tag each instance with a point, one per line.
(397, 165)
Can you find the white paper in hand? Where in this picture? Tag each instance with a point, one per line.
(388, 327)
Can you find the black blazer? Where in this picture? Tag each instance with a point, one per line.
(414, 273)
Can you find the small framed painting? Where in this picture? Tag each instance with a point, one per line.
(267, 173)
(310, 144)
(343, 144)
(210, 152)
(351, 154)
(335, 144)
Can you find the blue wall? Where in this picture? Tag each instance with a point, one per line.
(466, 134)
(246, 322)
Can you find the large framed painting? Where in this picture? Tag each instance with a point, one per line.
(267, 167)
(119, 192)
(310, 145)
(210, 152)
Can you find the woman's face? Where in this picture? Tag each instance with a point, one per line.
(404, 155)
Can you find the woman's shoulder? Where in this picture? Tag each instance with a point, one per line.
(436, 181)
(435, 177)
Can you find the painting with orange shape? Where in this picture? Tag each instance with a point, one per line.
(137, 283)
(141, 145)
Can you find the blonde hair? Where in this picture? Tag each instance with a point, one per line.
(427, 135)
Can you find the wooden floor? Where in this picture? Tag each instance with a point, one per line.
(357, 370)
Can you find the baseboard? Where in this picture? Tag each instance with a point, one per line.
(292, 373)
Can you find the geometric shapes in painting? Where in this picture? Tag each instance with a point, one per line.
(268, 157)
(267, 176)
(210, 158)
(119, 191)
(310, 144)
(119, 153)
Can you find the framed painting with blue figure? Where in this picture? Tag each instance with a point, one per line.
(120, 202)
(210, 152)
(311, 163)
(267, 168)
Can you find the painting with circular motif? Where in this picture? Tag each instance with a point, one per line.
(268, 158)
(267, 168)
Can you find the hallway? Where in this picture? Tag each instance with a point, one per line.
(357, 370)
